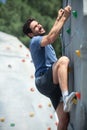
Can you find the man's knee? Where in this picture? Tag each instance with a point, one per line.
(63, 61)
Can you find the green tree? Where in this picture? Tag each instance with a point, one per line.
(14, 13)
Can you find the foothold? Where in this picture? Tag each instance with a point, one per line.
(56, 123)
(8, 48)
(68, 30)
(12, 124)
(2, 119)
(32, 89)
(23, 60)
(31, 114)
(48, 128)
(27, 55)
(74, 101)
(40, 106)
(20, 46)
(49, 104)
(51, 116)
(78, 95)
(78, 53)
(74, 12)
(31, 76)
(9, 66)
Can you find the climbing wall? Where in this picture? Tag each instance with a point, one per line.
(22, 107)
(74, 42)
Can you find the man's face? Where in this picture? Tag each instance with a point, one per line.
(37, 28)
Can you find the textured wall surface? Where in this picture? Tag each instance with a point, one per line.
(22, 107)
(74, 42)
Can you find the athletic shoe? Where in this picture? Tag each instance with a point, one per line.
(68, 102)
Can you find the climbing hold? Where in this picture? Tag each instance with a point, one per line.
(51, 116)
(23, 60)
(20, 46)
(31, 76)
(74, 100)
(31, 114)
(78, 53)
(8, 48)
(48, 128)
(56, 123)
(78, 95)
(68, 30)
(40, 106)
(12, 124)
(32, 89)
(2, 119)
(74, 13)
(49, 104)
(9, 66)
(27, 55)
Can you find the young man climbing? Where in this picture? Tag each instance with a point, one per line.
(51, 73)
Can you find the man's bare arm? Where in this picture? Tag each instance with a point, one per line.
(55, 31)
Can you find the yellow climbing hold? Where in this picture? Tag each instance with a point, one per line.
(49, 104)
(78, 53)
(74, 101)
(2, 119)
(31, 114)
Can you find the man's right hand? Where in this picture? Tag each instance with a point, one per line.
(67, 12)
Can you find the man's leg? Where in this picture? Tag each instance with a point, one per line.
(63, 117)
(60, 75)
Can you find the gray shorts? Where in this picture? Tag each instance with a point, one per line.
(46, 87)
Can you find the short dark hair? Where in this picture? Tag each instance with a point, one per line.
(26, 26)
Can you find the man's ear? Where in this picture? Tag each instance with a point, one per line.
(30, 34)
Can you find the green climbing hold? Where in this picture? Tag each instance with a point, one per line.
(68, 30)
(12, 124)
(74, 13)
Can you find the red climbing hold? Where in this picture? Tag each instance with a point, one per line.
(23, 60)
(32, 89)
(51, 116)
(40, 106)
(78, 95)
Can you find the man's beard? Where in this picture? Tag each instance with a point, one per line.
(42, 34)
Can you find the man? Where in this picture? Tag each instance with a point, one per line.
(51, 73)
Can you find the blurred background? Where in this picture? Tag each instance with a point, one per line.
(14, 13)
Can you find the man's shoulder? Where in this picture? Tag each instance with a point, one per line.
(36, 39)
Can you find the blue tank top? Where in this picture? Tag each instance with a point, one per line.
(43, 57)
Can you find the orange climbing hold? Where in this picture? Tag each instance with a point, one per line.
(78, 53)
(48, 128)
